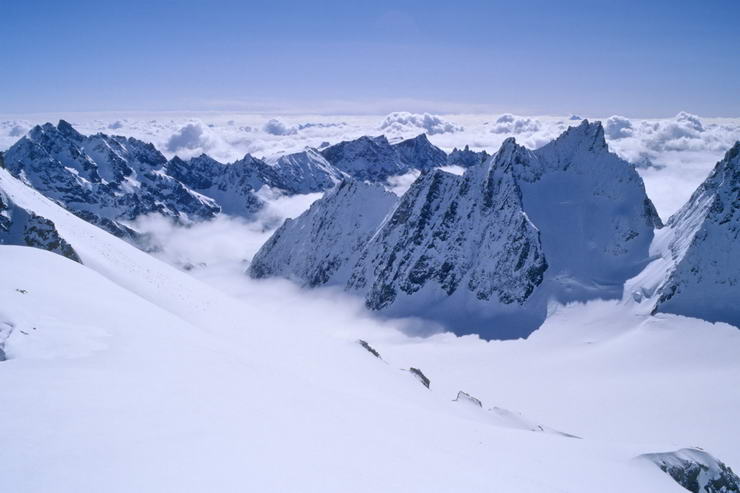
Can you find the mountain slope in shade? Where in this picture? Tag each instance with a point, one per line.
(106, 180)
(322, 245)
(697, 272)
(592, 211)
(486, 251)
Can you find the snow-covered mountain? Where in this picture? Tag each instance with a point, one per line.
(174, 366)
(111, 180)
(375, 159)
(486, 251)
(105, 180)
(697, 272)
(232, 186)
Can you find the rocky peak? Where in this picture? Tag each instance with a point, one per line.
(466, 158)
(420, 154)
(68, 131)
(102, 179)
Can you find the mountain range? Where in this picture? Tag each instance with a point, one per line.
(486, 252)
(203, 384)
(112, 180)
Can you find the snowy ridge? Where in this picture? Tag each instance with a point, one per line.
(319, 247)
(111, 180)
(307, 171)
(697, 272)
(19, 226)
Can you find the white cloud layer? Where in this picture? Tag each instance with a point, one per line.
(402, 122)
(673, 154)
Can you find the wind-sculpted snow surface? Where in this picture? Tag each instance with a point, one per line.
(486, 251)
(698, 272)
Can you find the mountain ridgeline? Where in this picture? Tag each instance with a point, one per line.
(111, 180)
(484, 252)
(487, 251)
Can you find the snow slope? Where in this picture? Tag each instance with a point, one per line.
(140, 398)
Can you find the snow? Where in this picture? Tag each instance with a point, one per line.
(137, 397)
(126, 374)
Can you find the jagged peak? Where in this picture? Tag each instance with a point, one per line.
(510, 151)
(590, 133)
(66, 129)
(421, 138)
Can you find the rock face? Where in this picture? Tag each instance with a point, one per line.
(19, 226)
(321, 246)
(103, 179)
(461, 237)
(485, 251)
(701, 249)
(697, 471)
(375, 159)
(466, 158)
(466, 398)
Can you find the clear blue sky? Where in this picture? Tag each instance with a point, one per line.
(596, 57)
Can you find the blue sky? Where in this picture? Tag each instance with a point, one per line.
(588, 57)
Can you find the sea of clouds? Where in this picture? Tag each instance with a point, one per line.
(673, 155)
